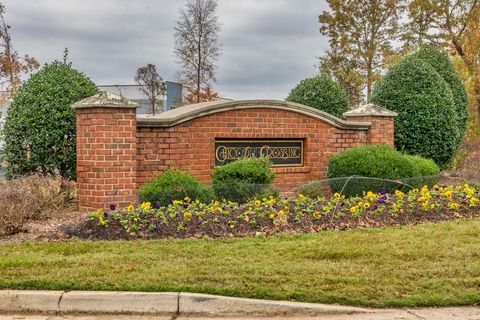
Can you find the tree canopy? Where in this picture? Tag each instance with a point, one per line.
(426, 124)
(39, 129)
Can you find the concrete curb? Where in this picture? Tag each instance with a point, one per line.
(205, 304)
(165, 303)
(119, 302)
(30, 300)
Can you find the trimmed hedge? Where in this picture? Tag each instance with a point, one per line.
(426, 171)
(380, 161)
(321, 93)
(426, 123)
(174, 185)
(440, 61)
(39, 129)
(243, 179)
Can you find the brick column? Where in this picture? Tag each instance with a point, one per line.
(106, 151)
(381, 119)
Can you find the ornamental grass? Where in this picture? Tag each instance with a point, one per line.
(187, 217)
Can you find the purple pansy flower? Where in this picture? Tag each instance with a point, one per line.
(112, 206)
(156, 205)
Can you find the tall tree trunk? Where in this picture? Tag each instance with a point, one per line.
(199, 67)
(477, 98)
(369, 84)
(152, 99)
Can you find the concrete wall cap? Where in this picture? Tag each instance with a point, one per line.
(370, 109)
(105, 99)
(190, 112)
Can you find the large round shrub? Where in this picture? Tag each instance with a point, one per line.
(378, 162)
(427, 171)
(440, 61)
(174, 185)
(243, 179)
(426, 124)
(322, 93)
(39, 129)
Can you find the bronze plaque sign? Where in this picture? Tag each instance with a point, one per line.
(282, 152)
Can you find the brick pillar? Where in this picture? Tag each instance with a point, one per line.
(106, 151)
(381, 119)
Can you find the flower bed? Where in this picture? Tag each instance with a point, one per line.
(190, 218)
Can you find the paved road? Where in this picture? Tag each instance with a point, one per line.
(457, 313)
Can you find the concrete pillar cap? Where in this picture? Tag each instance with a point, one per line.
(105, 99)
(370, 109)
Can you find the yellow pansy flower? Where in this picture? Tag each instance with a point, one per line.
(146, 206)
(453, 205)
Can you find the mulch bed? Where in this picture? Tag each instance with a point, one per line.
(89, 229)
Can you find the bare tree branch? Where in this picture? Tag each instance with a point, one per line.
(151, 85)
(196, 44)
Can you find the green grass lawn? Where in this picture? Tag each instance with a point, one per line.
(425, 265)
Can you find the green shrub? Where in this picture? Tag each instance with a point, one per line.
(243, 179)
(426, 123)
(39, 129)
(175, 185)
(380, 162)
(440, 61)
(322, 93)
(426, 171)
(313, 189)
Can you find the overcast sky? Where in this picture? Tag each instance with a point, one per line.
(267, 45)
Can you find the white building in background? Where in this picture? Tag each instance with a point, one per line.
(171, 99)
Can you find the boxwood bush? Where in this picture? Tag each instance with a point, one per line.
(380, 161)
(440, 61)
(174, 185)
(426, 123)
(322, 93)
(426, 173)
(243, 179)
(39, 129)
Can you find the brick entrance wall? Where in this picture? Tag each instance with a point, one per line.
(118, 152)
(190, 145)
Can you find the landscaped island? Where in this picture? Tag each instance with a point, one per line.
(191, 218)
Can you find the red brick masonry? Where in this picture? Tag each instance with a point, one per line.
(118, 152)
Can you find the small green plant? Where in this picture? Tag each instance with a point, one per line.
(243, 179)
(314, 189)
(321, 93)
(174, 185)
(384, 168)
